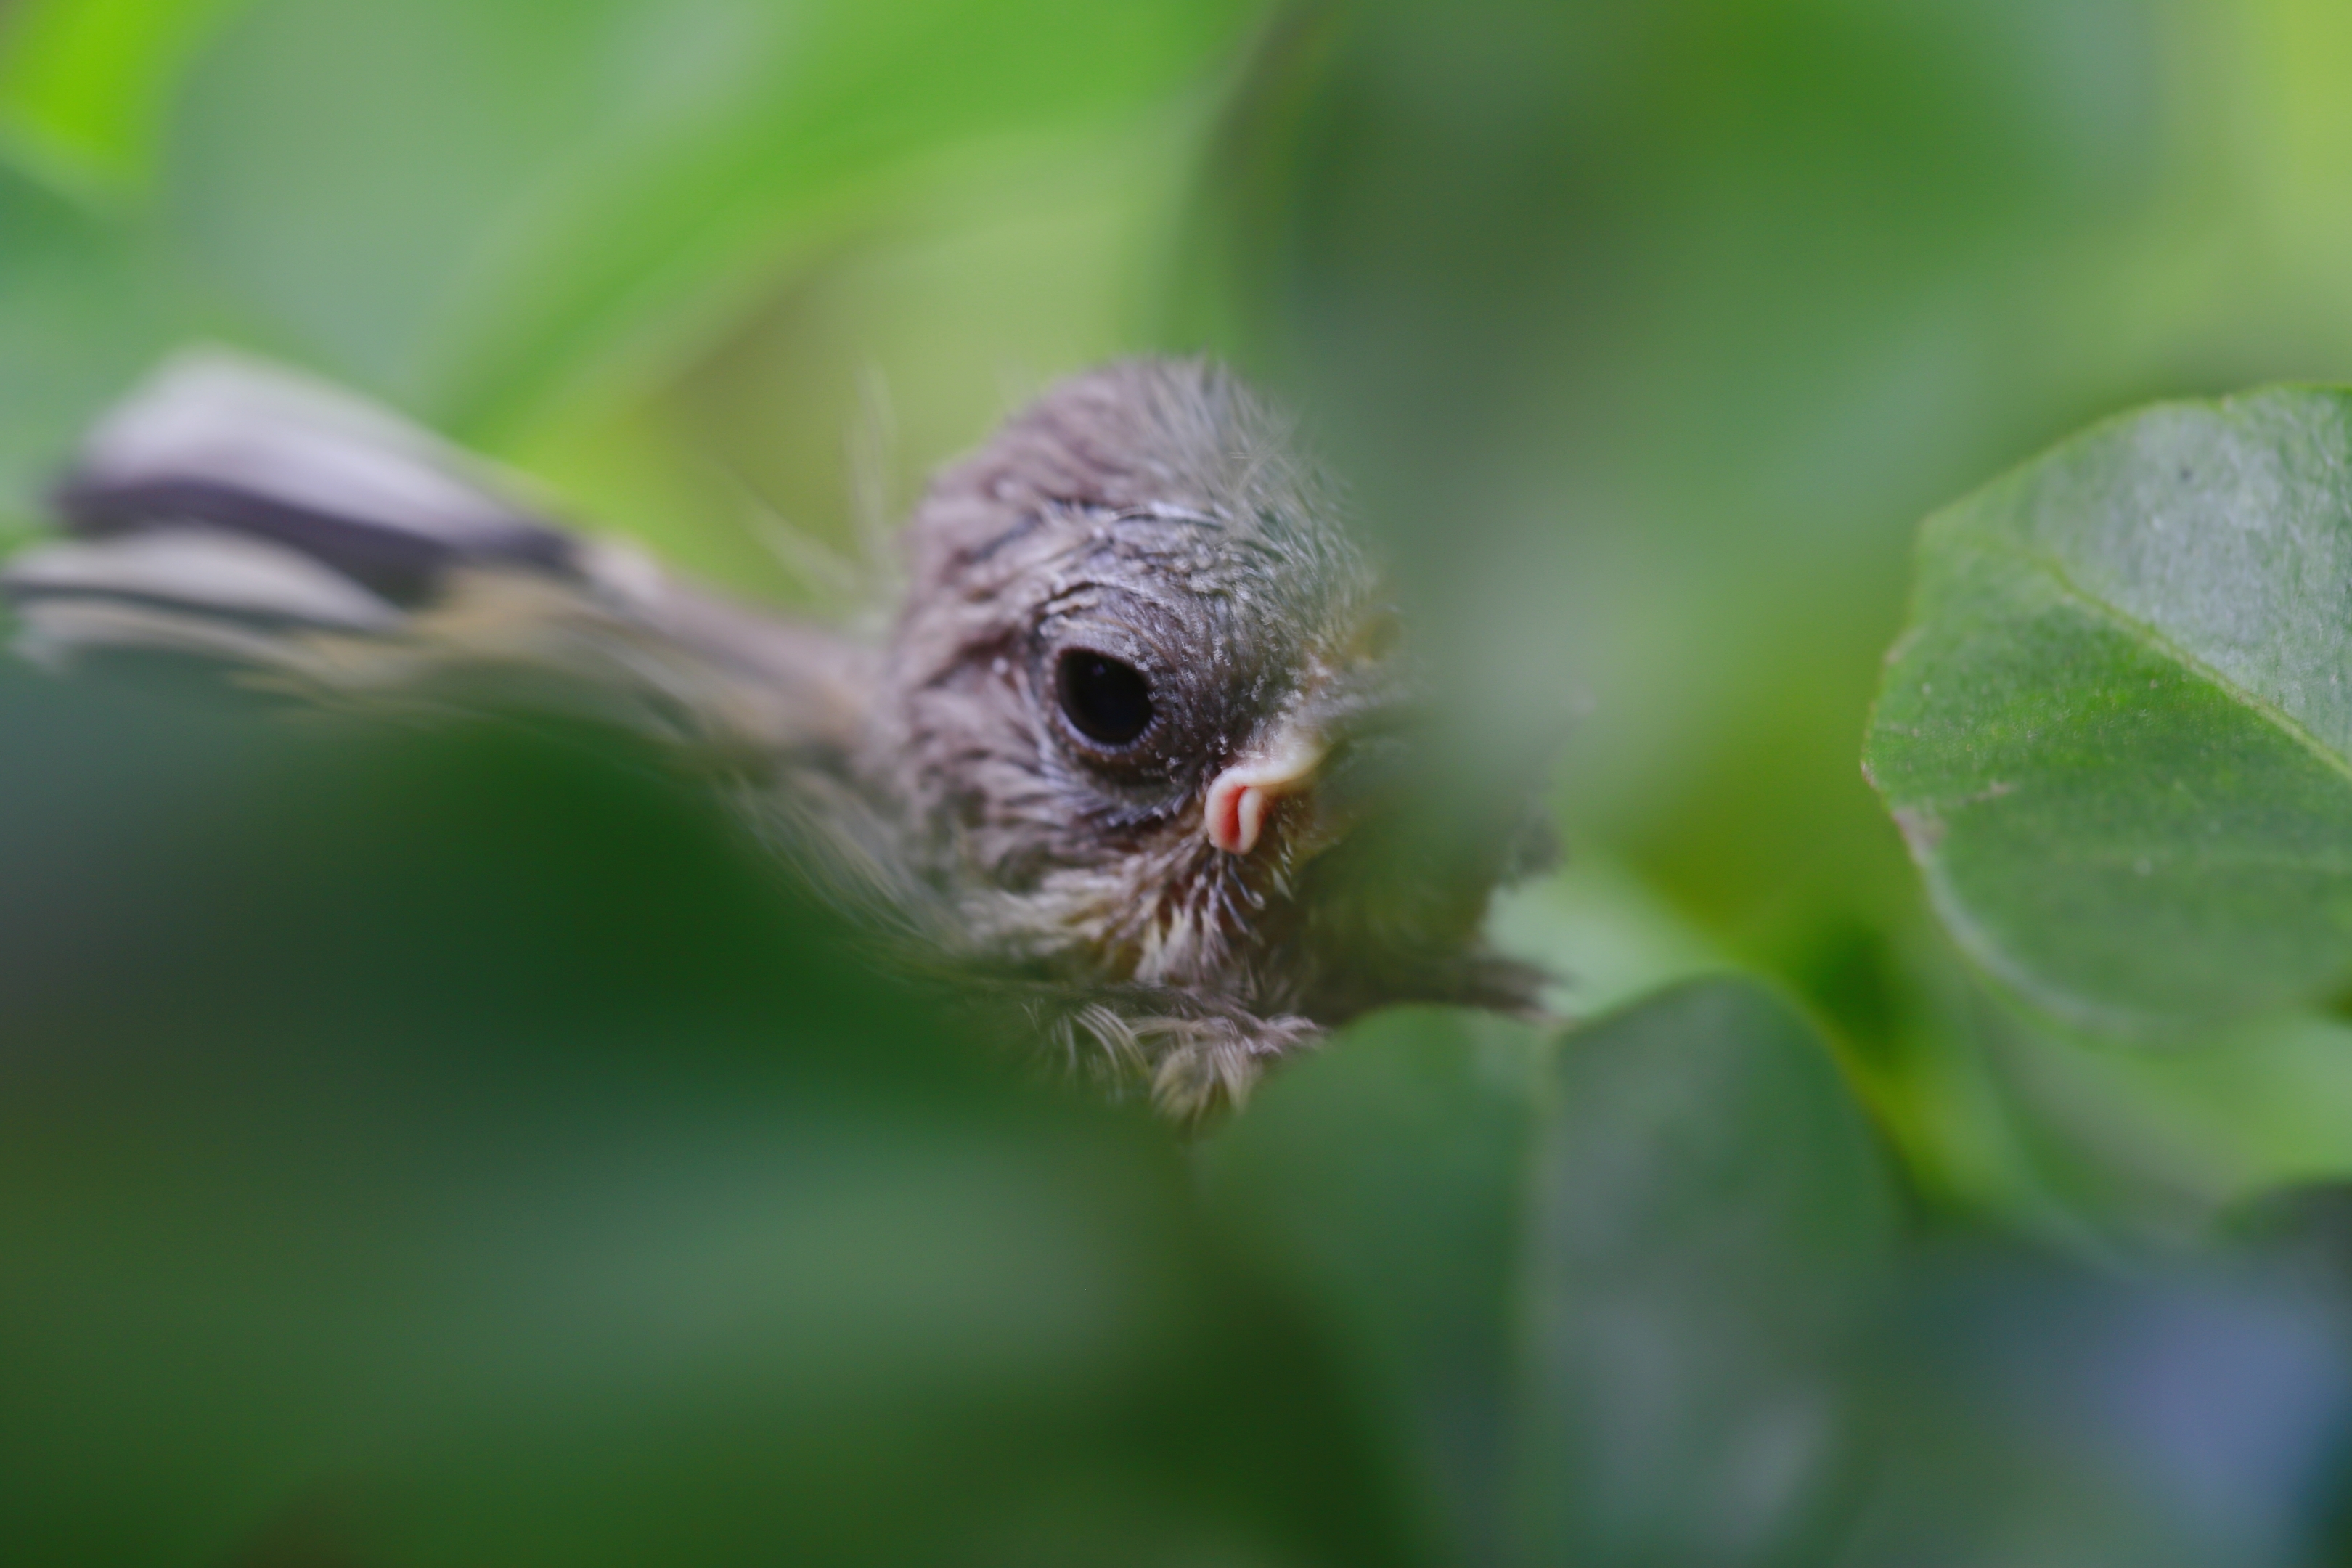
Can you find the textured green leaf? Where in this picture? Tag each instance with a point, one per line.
(1598, 1285)
(2118, 736)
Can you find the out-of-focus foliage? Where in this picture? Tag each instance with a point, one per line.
(547, 185)
(1650, 332)
(1608, 1296)
(78, 316)
(464, 1150)
(431, 1147)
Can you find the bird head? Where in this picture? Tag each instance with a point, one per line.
(1143, 694)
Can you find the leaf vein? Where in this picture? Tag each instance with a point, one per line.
(2153, 639)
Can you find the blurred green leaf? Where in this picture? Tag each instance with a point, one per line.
(1383, 1180)
(2118, 736)
(1606, 937)
(1655, 329)
(471, 1150)
(472, 208)
(2159, 1138)
(2160, 1412)
(819, 417)
(1709, 1229)
(1658, 329)
(80, 315)
(84, 84)
(1600, 1287)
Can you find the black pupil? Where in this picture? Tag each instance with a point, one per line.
(1108, 700)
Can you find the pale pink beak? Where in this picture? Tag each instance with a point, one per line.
(1242, 796)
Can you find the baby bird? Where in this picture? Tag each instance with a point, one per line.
(1135, 751)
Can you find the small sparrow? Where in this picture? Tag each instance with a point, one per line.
(1136, 749)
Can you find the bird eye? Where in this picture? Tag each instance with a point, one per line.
(1106, 699)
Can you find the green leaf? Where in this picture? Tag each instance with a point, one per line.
(2118, 735)
(2252, 1108)
(1596, 1285)
(1607, 233)
(84, 83)
(2036, 1410)
(1383, 1178)
(1708, 1227)
(470, 207)
(80, 314)
(461, 1150)
(1609, 937)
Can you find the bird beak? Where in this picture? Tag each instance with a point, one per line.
(1242, 796)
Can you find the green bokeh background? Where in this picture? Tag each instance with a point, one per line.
(452, 1147)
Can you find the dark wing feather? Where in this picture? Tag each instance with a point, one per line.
(231, 444)
(235, 512)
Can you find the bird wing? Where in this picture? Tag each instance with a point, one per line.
(237, 512)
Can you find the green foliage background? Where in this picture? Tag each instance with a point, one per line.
(450, 1148)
